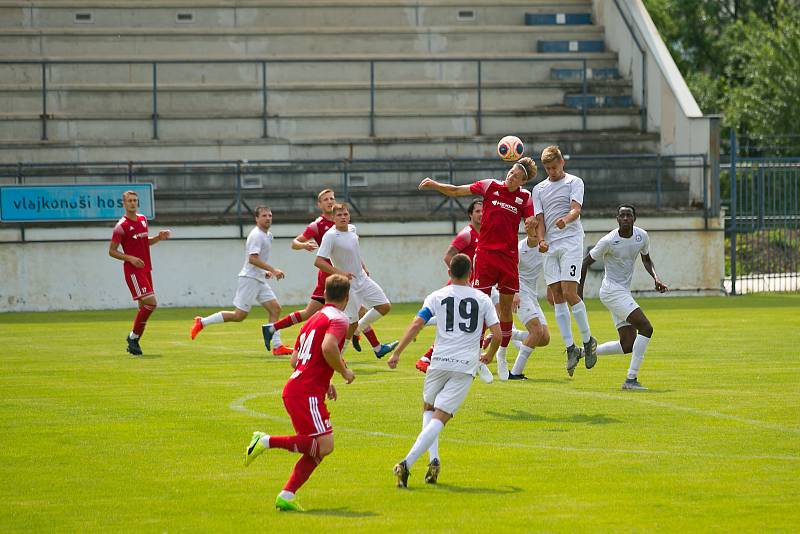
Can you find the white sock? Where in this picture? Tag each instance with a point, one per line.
(522, 360)
(501, 354)
(582, 319)
(133, 336)
(639, 346)
(265, 440)
(428, 435)
(276, 339)
(370, 317)
(433, 450)
(286, 495)
(518, 335)
(431, 321)
(214, 318)
(564, 323)
(609, 347)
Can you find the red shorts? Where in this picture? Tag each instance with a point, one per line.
(140, 283)
(319, 291)
(309, 414)
(490, 268)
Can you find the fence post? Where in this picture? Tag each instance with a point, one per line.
(130, 172)
(155, 100)
(584, 91)
(658, 181)
(450, 207)
(713, 154)
(264, 97)
(479, 117)
(239, 198)
(44, 101)
(372, 98)
(732, 174)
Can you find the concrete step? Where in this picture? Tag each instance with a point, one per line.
(234, 98)
(317, 147)
(609, 73)
(250, 42)
(183, 13)
(598, 101)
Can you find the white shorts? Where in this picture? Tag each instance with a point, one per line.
(446, 390)
(620, 303)
(365, 293)
(563, 260)
(529, 309)
(251, 290)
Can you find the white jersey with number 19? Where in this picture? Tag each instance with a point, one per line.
(461, 312)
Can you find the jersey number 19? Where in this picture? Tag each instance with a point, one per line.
(467, 313)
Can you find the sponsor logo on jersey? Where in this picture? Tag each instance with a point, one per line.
(140, 235)
(496, 194)
(518, 200)
(505, 206)
(638, 238)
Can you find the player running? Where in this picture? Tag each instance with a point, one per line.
(131, 232)
(317, 354)
(558, 201)
(618, 250)
(505, 204)
(310, 240)
(462, 311)
(253, 286)
(340, 253)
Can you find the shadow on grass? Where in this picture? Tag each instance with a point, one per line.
(342, 511)
(519, 415)
(503, 490)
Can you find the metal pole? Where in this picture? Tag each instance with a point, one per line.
(239, 198)
(372, 99)
(479, 117)
(44, 101)
(130, 171)
(658, 181)
(155, 100)
(450, 207)
(264, 97)
(733, 212)
(584, 94)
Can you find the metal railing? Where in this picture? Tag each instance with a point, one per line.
(156, 65)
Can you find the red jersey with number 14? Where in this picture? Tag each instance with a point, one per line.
(132, 235)
(312, 376)
(502, 212)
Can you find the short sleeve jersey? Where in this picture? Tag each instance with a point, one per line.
(531, 265)
(461, 312)
(466, 241)
(258, 242)
(554, 200)
(502, 212)
(317, 229)
(343, 250)
(132, 235)
(619, 256)
(312, 376)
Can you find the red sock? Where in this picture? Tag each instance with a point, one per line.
(141, 318)
(302, 470)
(429, 352)
(289, 320)
(506, 329)
(298, 443)
(371, 337)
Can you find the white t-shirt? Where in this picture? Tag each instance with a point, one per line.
(619, 256)
(343, 250)
(531, 265)
(554, 200)
(258, 242)
(461, 312)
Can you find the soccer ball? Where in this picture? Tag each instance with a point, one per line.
(510, 148)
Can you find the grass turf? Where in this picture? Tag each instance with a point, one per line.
(96, 440)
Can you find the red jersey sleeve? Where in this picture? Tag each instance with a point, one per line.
(311, 231)
(480, 187)
(118, 234)
(338, 328)
(462, 240)
(527, 208)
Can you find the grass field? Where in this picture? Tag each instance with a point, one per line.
(94, 440)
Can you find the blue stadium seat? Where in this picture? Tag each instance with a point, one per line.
(570, 46)
(539, 19)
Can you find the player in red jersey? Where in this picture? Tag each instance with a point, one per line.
(310, 240)
(317, 354)
(505, 204)
(131, 232)
(464, 242)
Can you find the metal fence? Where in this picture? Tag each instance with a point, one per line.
(762, 224)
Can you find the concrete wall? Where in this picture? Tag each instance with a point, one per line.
(199, 267)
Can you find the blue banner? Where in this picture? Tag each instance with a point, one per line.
(78, 202)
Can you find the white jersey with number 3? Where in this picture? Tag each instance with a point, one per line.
(461, 312)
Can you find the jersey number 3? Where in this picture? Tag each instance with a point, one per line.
(467, 313)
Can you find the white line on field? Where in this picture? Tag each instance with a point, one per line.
(238, 405)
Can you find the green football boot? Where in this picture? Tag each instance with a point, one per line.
(255, 448)
(288, 506)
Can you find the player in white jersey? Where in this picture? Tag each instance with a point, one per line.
(462, 311)
(339, 253)
(618, 251)
(253, 286)
(526, 304)
(557, 203)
